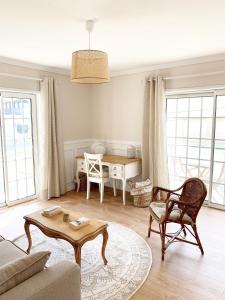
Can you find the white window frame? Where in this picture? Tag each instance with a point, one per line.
(33, 96)
(204, 93)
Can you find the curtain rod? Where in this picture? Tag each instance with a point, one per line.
(21, 76)
(192, 75)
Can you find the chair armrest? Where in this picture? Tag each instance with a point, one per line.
(157, 189)
(175, 201)
(61, 281)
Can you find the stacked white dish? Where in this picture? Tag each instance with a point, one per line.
(98, 148)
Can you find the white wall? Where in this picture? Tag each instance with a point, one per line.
(117, 106)
(110, 112)
(72, 99)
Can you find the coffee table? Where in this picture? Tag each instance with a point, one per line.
(55, 227)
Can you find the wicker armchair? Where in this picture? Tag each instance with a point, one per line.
(181, 208)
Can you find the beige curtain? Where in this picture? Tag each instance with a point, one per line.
(51, 172)
(154, 150)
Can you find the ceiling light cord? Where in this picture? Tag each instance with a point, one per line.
(89, 28)
(89, 40)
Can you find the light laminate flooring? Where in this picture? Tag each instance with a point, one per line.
(185, 273)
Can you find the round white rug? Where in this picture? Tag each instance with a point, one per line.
(129, 261)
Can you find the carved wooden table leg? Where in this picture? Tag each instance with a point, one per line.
(104, 242)
(77, 251)
(27, 230)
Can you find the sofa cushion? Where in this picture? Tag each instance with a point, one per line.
(9, 252)
(17, 271)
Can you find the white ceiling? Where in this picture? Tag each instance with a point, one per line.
(134, 33)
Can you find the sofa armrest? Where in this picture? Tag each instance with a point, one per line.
(61, 281)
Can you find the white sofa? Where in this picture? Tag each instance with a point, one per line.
(61, 281)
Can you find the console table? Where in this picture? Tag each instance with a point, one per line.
(120, 167)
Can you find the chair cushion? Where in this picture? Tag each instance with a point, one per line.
(105, 173)
(17, 271)
(159, 208)
(9, 252)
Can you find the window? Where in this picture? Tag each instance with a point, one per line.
(196, 141)
(17, 147)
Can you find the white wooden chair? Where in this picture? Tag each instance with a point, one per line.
(96, 173)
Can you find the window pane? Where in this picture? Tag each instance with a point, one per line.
(180, 167)
(171, 127)
(171, 108)
(181, 151)
(204, 170)
(205, 153)
(171, 146)
(220, 126)
(194, 128)
(8, 108)
(19, 150)
(22, 189)
(12, 190)
(207, 106)
(219, 172)
(192, 168)
(182, 107)
(195, 107)
(191, 144)
(206, 128)
(219, 154)
(192, 147)
(218, 193)
(182, 125)
(26, 108)
(220, 105)
(193, 152)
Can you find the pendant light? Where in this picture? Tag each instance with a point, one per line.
(89, 66)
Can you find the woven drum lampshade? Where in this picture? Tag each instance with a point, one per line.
(89, 66)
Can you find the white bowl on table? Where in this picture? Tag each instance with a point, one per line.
(98, 148)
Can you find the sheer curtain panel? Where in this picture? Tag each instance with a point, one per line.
(51, 174)
(154, 150)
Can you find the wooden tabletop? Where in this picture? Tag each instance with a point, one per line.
(115, 159)
(56, 223)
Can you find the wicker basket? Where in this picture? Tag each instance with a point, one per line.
(142, 200)
(141, 192)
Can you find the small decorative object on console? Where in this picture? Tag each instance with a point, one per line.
(79, 223)
(131, 151)
(51, 211)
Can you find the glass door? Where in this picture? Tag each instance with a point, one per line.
(18, 155)
(218, 178)
(196, 142)
(2, 183)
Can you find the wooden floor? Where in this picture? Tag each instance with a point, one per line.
(185, 273)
